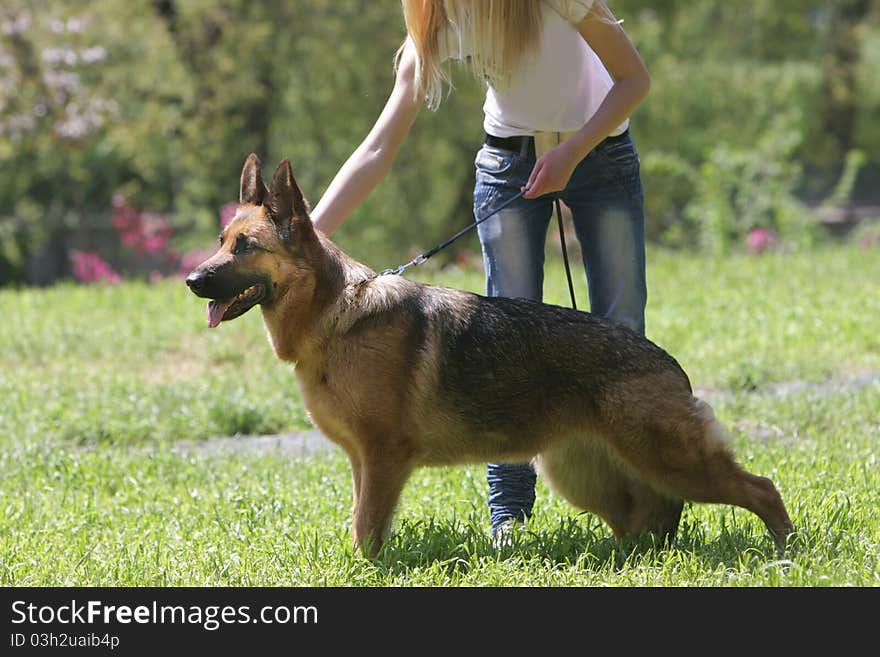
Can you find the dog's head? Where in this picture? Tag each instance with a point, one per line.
(264, 251)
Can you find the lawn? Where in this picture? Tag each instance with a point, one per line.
(114, 396)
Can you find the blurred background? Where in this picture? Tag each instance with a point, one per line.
(124, 125)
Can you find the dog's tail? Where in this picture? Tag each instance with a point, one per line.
(714, 430)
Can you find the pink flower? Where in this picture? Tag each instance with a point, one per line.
(227, 213)
(154, 243)
(89, 267)
(130, 238)
(760, 240)
(192, 259)
(142, 232)
(869, 239)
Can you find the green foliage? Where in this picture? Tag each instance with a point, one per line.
(742, 188)
(843, 190)
(89, 103)
(868, 91)
(669, 182)
(162, 101)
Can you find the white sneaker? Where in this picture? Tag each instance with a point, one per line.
(507, 534)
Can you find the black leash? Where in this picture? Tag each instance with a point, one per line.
(565, 253)
(427, 254)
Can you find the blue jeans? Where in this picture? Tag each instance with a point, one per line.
(605, 197)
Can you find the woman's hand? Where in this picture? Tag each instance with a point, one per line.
(552, 171)
(631, 84)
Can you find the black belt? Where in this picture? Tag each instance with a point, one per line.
(518, 143)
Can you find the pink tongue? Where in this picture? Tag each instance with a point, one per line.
(216, 310)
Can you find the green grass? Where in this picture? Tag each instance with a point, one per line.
(105, 391)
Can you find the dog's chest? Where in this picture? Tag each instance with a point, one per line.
(327, 410)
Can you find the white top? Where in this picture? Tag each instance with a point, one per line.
(557, 90)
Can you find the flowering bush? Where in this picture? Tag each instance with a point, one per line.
(192, 259)
(145, 238)
(89, 267)
(144, 233)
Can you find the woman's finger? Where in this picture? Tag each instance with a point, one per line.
(533, 177)
(536, 187)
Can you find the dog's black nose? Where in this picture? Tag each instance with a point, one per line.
(196, 281)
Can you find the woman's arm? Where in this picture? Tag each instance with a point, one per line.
(631, 84)
(371, 161)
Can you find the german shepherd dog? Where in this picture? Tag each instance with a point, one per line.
(401, 374)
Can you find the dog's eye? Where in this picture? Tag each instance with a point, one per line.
(242, 245)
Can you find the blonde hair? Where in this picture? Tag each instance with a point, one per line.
(501, 34)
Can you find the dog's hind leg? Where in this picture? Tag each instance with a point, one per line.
(587, 476)
(681, 450)
(653, 511)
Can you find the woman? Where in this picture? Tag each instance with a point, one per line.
(562, 80)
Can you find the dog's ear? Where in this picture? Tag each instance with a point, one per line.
(286, 203)
(252, 188)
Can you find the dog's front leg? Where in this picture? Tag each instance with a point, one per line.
(381, 482)
(355, 461)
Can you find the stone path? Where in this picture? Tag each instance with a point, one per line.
(294, 443)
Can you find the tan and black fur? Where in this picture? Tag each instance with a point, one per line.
(401, 375)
